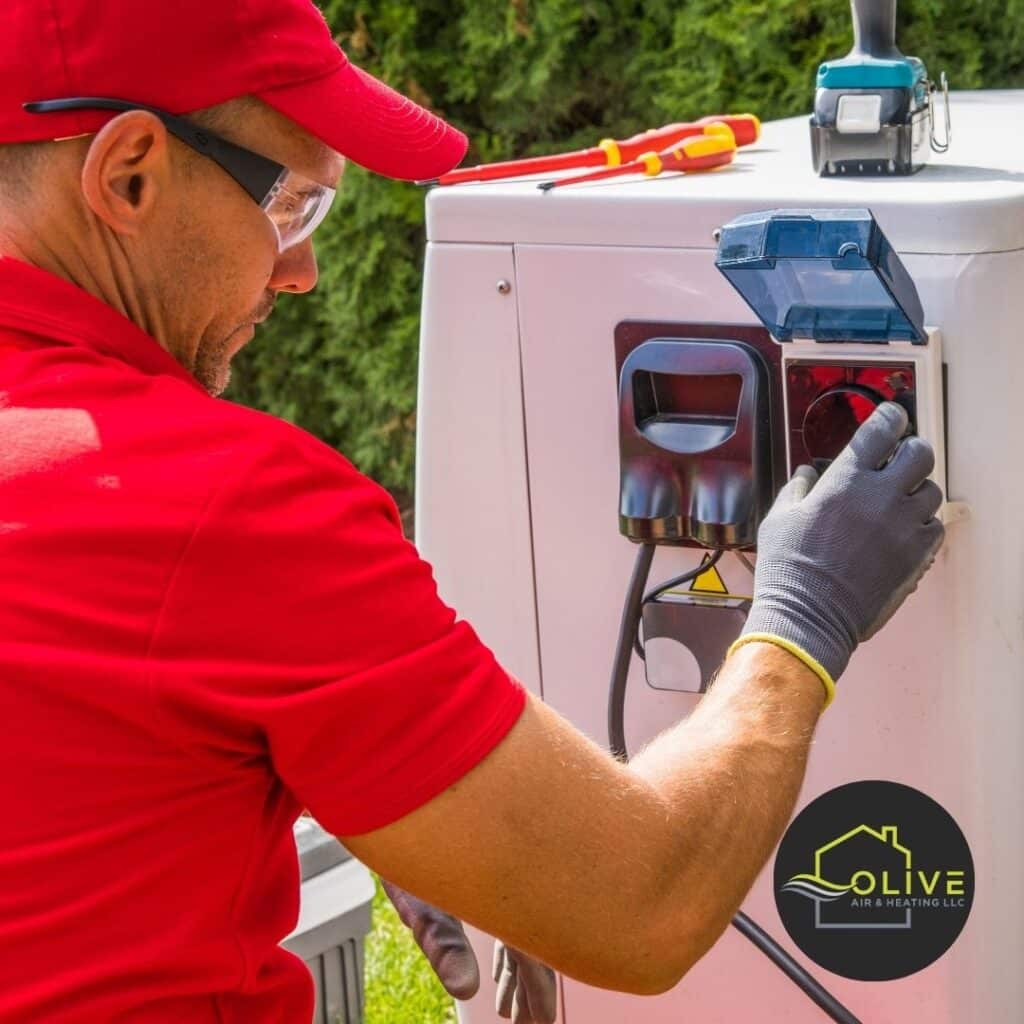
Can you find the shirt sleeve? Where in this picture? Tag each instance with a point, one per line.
(301, 628)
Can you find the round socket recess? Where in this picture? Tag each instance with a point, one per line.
(833, 417)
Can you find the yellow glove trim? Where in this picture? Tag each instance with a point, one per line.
(798, 652)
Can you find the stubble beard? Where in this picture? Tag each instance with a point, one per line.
(213, 364)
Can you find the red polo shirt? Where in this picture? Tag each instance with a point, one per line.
(208, 620)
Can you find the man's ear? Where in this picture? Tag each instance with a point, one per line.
(126, 169)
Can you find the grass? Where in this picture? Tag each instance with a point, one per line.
(400, 986)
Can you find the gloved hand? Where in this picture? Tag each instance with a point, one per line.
(837, 556)
(526, 988)
(442, 939)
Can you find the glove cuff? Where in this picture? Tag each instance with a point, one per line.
(798, 652)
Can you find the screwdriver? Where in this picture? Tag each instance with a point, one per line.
(702, 153)
(608, 153)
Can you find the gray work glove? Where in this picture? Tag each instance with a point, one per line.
(442, 939)
(526, 989)
(527, 992)
(837, 556)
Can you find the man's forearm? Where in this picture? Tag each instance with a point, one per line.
(621, 876)
(729, 777)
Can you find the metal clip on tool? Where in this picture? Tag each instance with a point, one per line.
(943, 87)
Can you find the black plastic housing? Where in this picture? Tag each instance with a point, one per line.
(899, 149)
(695, 442)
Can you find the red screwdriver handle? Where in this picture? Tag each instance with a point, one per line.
(653, 141)
(610, 152)
(698, 153)
(746, 127)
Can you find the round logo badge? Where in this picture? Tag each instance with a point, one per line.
(874, 880)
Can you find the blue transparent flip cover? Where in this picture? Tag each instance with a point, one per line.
(827, 275)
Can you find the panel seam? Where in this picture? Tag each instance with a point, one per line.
(526, 471)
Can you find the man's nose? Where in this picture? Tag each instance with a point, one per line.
(295, 269)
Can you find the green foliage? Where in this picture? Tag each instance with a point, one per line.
(529, 76)
(400, 986)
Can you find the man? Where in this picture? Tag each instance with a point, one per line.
(208, 620)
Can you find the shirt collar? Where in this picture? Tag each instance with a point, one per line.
(36, 302)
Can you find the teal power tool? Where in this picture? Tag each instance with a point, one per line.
(874, 109)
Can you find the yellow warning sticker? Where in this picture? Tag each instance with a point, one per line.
(709, 581)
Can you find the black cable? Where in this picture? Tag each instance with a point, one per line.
(624, 651)
(628, 626)
(687, 577)
(804, 980)
(676, 581)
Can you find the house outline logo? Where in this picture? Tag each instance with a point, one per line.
(817, 888)
(873, 880)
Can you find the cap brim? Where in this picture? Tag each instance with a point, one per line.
(368, 122)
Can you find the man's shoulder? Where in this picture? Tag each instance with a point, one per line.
(263, 435)
(260, 461)
(275, 442)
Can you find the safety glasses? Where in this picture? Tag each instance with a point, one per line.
(295, 205)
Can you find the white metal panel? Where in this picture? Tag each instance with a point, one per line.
(969, 200)
(472, 500)
(472, 490)
(935, 701)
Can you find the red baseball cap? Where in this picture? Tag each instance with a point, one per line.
(190, 54)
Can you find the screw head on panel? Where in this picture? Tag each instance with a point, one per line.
(504, 287)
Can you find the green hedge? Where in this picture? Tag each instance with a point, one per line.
(529, 76)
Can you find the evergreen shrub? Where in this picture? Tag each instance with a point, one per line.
(532, 76)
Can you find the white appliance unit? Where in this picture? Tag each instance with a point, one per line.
(534, 302)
